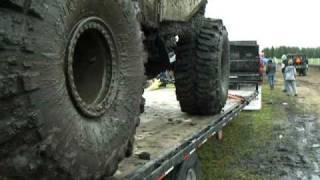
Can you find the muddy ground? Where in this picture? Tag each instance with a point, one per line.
(282, 141)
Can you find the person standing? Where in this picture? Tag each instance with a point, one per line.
(271, 71)
(290, 73)
(284, 64)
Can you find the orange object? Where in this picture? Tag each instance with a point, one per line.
(298, 60)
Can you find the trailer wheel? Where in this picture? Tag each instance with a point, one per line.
(71, 80)
(202, 68)
(188, 170)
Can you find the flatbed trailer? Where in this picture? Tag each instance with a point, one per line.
(171, 137)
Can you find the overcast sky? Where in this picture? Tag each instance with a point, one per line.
(271, 22)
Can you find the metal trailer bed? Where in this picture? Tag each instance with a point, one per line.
(170, 136)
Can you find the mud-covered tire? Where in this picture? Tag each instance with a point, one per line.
(47, 129)
(202, 68)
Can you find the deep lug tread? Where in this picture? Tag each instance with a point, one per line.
(198, 85)
(25, 54)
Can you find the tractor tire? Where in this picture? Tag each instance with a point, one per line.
(202, 69)
(71, 80)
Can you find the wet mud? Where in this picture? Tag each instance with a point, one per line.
(294, 152)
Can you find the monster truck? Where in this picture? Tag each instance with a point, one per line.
(72, 73)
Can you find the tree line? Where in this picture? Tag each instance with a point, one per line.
(279, 51)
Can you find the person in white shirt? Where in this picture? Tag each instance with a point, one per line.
(283, 66)
(290, 73)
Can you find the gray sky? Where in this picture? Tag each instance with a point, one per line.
(271, 22)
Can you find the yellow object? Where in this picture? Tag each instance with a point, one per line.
(154, 86)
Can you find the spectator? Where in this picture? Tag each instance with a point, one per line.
(265, 61)
(271, 71)
(283, 66)
(290, 78)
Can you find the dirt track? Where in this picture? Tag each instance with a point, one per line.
(309, 89)
(297, 153)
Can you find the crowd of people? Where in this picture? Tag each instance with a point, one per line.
(289, 74)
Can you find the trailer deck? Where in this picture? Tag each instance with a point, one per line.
(169, 135)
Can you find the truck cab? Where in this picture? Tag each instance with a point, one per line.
(246, 70)
(245, 64)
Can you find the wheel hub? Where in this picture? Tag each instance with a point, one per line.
(90, 67)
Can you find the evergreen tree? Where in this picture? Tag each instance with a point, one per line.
(279, 51)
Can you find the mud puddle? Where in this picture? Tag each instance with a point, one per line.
(299, 148)
(294, 152)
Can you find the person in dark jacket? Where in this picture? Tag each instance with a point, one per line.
(271, 71)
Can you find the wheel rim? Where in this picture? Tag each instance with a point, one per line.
(91, 64)
(191, 174)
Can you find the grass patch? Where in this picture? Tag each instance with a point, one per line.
(244, 137)
(314, 61)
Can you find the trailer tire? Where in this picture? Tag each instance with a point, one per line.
(71, 80)
(202, 68)
(188, 169)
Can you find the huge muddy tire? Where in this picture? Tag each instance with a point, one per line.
(71, 77)
(202, 68)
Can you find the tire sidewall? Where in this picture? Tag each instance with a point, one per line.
(225, 67)
(76, 142)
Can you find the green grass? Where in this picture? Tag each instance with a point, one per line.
(314, 61)
(244, 137)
